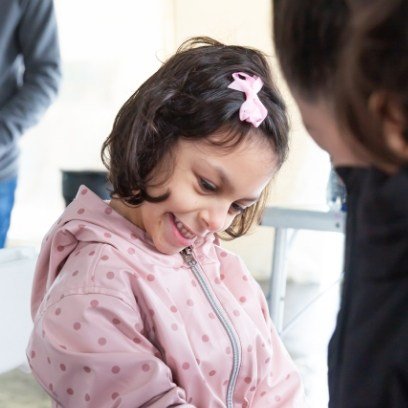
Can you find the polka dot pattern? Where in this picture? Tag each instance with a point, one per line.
(102, 341)
(179, 313)
(115, 369)
(94, 303)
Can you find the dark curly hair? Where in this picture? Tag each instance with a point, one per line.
(309, 36)
(375, 61)
(188, 98)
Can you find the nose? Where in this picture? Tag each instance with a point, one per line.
(215, 219)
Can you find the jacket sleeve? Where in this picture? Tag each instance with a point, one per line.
(92, 348)
(38, 39)
(283, 385)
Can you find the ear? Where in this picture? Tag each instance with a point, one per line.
(394, 124)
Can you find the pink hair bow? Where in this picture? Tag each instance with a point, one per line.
(252, 110)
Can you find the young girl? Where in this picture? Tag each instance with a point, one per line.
(134, 301)
(353, 96)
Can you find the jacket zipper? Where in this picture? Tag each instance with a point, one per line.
(189, 258)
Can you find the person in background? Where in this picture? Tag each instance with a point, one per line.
(372, 106)
(135, 303)
(29, 80)
(360, 117)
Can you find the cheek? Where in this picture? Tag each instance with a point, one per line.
(182, 200)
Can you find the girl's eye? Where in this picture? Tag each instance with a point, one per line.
(207, 186)
(237, 209)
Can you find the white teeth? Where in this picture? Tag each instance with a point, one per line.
(182, 229)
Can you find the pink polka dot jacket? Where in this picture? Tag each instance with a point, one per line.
(119, 324)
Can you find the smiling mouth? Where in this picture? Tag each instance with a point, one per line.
(183, 230)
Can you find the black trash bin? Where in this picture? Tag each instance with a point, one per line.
(95, 180)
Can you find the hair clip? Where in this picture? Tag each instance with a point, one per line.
(252, 109)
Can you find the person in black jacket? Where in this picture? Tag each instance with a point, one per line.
(346, 63)
(29, 80)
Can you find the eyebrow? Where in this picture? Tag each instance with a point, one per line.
(227, 182)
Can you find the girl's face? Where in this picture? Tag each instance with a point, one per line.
(209, 187)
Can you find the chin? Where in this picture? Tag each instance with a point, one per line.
(167, 250)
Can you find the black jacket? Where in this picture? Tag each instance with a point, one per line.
(368, 352)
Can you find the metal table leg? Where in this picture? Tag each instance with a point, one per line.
(277, 280)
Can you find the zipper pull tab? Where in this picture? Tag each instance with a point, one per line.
(187, 254)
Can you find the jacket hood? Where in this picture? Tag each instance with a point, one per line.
(90, 219)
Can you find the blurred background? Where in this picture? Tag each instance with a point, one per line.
(108, 49)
